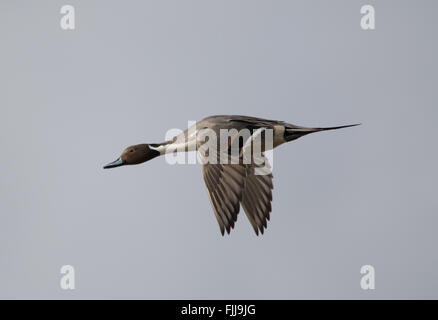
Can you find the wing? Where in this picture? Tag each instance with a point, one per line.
(224, 181)
(230, 184)
(225, 184)
(257, 195)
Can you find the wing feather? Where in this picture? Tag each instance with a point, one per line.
(231, 185)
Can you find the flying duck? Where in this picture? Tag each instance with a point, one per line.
(233, 179)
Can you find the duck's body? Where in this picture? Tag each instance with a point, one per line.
(247, 181)
(189, 140)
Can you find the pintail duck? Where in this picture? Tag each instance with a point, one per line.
(229, 184)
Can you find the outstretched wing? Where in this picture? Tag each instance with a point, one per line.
(225, 184)
(231, 183)
(257, 195)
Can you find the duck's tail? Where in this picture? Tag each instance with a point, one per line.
(292, 133)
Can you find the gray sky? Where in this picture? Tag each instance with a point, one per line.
(72, 100)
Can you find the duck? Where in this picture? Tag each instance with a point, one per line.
(234, 180)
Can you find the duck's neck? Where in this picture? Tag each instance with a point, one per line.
(159, 147)
(176, 145)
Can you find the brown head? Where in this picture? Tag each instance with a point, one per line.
(136, 154)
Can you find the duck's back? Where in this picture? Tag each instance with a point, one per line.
(238, 122)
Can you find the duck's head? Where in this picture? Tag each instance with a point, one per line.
(136, 154)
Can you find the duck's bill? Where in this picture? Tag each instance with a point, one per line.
(119, 162)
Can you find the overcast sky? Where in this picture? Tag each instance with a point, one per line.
(72, 100)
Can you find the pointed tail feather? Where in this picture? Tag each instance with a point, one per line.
(295, 132)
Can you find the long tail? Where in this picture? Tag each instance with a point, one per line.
(292, 133)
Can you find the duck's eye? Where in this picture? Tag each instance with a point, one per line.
(132, 150)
